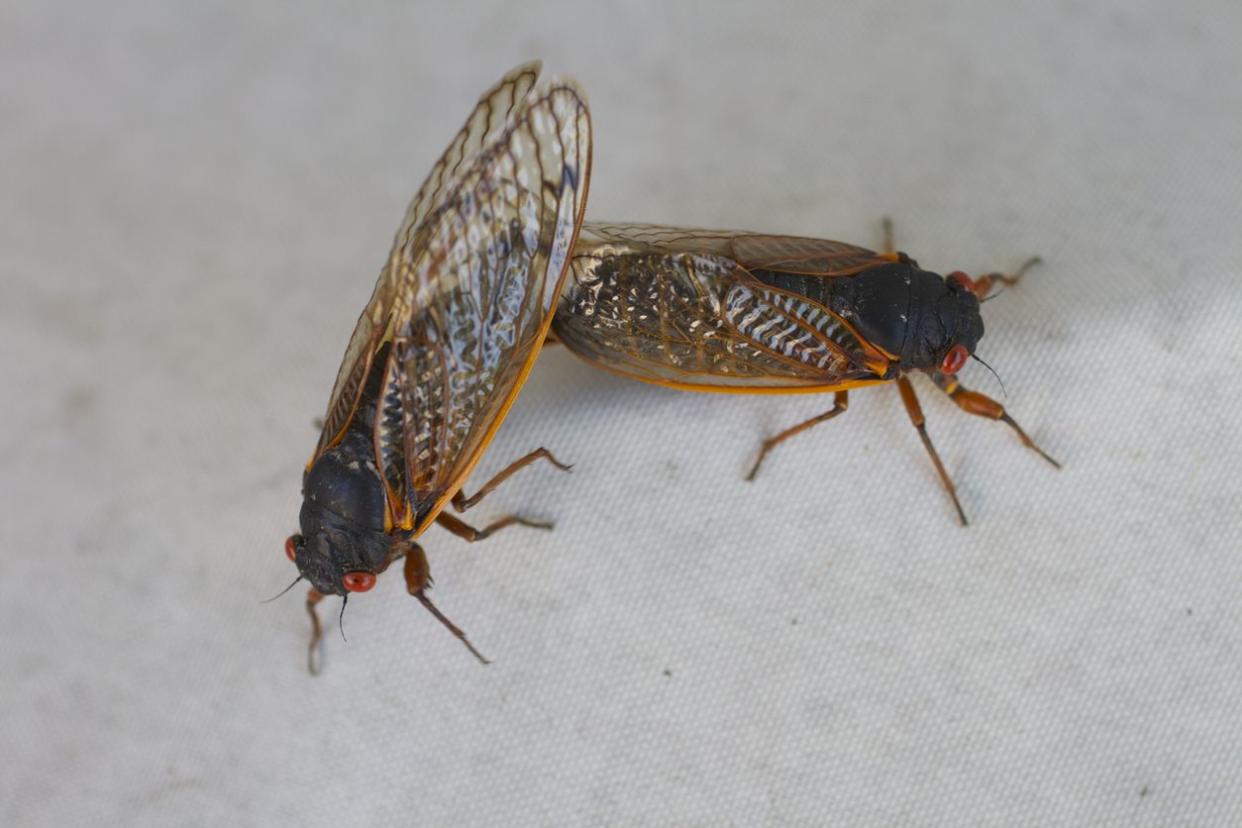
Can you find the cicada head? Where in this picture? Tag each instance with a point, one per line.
(951, 328)
(343, 545)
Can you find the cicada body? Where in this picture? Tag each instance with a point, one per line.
(748, 312)
(458, 314)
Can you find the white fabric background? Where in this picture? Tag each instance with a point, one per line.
(194, 202)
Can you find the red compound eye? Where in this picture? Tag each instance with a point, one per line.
(358, 581)
(963, 280)
(954, 359)
(291, 548)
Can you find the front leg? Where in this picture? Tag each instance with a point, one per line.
(314, 653)
(983, 284)
(972, 402)
(915, 412)
(417, 582)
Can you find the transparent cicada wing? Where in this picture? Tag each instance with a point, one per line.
(806, 256)
(658, 238)
(676, 307)
(476, 294)
(467, 295)
(753, 251)
(490, 116)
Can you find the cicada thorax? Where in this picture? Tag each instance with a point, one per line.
(913, 316)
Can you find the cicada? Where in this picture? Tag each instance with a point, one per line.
(745, 312)
(459, 312)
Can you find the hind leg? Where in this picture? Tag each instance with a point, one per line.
(461, 503)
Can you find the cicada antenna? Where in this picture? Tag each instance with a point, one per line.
(283, 591)
(340, 619)
(989, 367)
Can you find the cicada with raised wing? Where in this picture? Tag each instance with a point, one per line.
(707, 310)
(459, 313)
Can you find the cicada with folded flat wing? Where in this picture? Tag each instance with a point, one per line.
(458, 315)
(708, 310)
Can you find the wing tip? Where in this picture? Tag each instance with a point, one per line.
(531, 67)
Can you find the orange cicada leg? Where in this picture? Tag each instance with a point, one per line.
(972, 402)
(916, 416)
(461, 503)
(840, 402)
(984, 284)
(467, 532)
(417, 581)
(314, 653)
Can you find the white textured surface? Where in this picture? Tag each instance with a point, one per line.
(194, 202)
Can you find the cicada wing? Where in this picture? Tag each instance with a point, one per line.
(698, 320)
(806, 256)
(475, 290)
(491, 115)
(657, 239)
(753, 251)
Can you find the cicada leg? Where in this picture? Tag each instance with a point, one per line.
(840, 402)
(984, 284)
(418, 580)
(314, 653)
(915, 411)
(972, 402)
(464, 530)
(461, 503)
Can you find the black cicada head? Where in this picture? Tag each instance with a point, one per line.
(950, 327)
(343, 545)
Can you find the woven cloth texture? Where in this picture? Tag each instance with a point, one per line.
(195, 199)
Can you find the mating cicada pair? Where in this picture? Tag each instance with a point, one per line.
(480, 271)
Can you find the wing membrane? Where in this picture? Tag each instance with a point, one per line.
(753, 251)
(483, 287)
(467, 293)
(676, 307)
(490, 115)
(796, 254)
